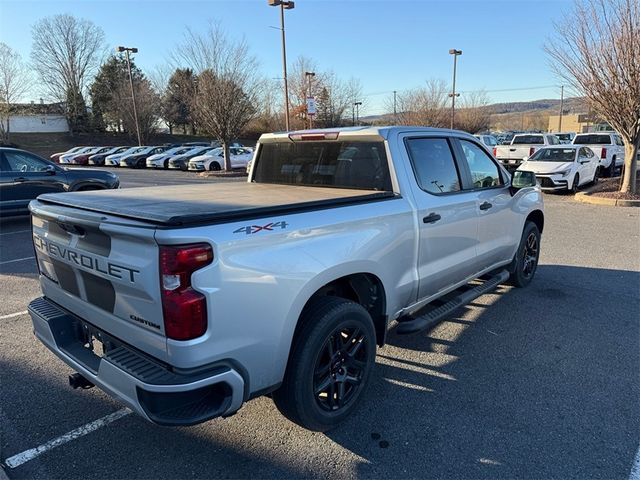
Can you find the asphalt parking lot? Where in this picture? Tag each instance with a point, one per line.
(534, 383)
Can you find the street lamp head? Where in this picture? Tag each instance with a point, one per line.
(453, 51)
(357, 103)
(133, 50)
(286, 5)
(120, 49)
(310, 74)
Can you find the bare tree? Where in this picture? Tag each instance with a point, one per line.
(597, 51)
(14, 83)
(228, 84)
(474, 115)
(299, 87)
(333, 101)
(353, 91)
(66, 52)
(425, 106)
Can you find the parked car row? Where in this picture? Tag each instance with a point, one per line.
(205, 156)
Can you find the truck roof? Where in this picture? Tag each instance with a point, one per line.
(360, 133)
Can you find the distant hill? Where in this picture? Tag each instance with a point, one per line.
(571, 105)
(532, 115)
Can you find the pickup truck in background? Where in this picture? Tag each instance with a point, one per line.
(186, 301)
(609, 148)
(522, 146)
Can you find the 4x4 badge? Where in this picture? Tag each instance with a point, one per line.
(251, 229)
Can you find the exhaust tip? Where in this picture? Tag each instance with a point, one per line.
(78, 381)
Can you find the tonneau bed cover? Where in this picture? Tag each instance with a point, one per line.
(181, 205)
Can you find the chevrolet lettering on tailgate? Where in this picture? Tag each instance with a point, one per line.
(84, 261)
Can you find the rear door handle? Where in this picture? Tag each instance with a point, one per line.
(431, 218)
(485, 206)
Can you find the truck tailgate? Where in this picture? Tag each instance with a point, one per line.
(210, 203)
(104, 269)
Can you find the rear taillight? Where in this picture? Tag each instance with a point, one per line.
(495, 151)
(603, 153)
(184, 309)
(532, 150)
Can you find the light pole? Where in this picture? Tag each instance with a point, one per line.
(309, 76)
(395, 111)
(453, 94)
(126, 51)
(357, 105)
(561, 108)
(284, 5)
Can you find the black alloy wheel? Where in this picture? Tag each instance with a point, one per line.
(340, 368)
(330, 363)
(525, 262)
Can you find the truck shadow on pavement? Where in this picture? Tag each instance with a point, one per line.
(538, 382)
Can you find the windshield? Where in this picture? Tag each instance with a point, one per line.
(528, 140)
(592, 140)
(360, 165)
(554, 155)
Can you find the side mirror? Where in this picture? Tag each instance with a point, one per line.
(523, 179)
(525, 159)
(50, 170)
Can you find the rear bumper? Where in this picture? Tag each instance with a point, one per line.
(156, 391)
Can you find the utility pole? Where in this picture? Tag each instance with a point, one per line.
(309, 76)
(395, 111)
(453, 95)
(561, 108)
(357, 119)
(126, 51)
(284, 6)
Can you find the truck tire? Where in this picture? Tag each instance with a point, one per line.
(330, 364)
(611, 171)
(525, 261)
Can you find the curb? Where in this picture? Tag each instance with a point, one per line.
(586, 197)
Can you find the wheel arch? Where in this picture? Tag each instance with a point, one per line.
(537, 217)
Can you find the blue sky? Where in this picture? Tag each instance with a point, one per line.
(389, 45)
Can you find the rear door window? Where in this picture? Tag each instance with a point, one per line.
(433, 165)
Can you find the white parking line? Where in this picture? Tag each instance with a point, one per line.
(16, 260)
(635, 468)
(17, 231)
(11, 315)
(20, 458)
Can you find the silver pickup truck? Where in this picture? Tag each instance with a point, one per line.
(186, 301)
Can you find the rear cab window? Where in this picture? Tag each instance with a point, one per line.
(592, 139)
(528, 140)
(341, 164)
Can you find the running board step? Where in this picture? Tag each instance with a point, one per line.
(437, 315)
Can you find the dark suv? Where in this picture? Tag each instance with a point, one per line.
(24, 176)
